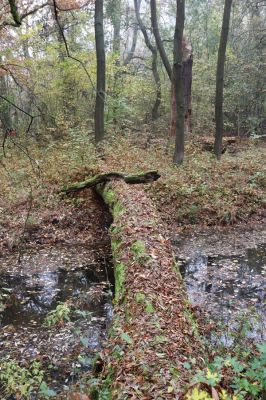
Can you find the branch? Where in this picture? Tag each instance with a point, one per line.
(145, 177)
(66, 45)
(14, 12)
(26, 89)
(19, 18)
(155, 28)
(23, 111)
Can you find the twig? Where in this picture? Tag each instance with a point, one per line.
(17, 18)
(26, 152)
(23, 111)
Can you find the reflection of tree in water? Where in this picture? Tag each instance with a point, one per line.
(227, 286)
(33, 297)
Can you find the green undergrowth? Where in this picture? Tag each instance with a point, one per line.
(239, 376)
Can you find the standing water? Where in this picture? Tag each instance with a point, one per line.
(56, 306)
(230, 287)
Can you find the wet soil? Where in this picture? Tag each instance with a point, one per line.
(67, 259)
(225, 274)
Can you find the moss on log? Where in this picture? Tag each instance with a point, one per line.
(154, 330)
(145, 177)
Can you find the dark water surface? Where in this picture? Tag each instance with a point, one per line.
(78, 275)
(230, 287)
(51, 276)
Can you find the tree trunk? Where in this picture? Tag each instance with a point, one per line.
(5, 115)
(154, 23)
(100, 55)
(178, 86)
(156, 76)
(220, 80)
(153, 50)
(187, 84)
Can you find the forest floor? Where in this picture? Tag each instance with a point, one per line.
(199, 194)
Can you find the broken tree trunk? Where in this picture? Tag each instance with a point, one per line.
(145, 177)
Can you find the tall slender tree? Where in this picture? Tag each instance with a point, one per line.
(153, 50)
(177, 75)
(220, 80)
(159, 42)
(178, 86)
(100, 55)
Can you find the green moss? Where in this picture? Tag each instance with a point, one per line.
(139, 252)
(119, 270)
(110, 199)
(138, 248)
(149, 308)
(118, 209)
(115, 245)
(176, 269)
(140, 297)
(193, 322)
(108, 196)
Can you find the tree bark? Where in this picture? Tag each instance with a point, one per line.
(154, 23)
(153, 50)
(14, 12)
(145, 177)
(220, 80)
(178, 86)
(5, 116)
(100, 55)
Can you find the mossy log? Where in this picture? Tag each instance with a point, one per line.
(144, 177)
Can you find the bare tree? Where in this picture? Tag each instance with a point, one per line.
(180, 75)
(155, 72)
(100, 54)
(159, 42)
(178, 86)
(220, 80)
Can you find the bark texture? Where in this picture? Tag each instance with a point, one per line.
(220, 80)
(155, 29)
(178, 86)
(100, 55)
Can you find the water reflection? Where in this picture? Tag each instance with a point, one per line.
(80, 276)
(229, 286)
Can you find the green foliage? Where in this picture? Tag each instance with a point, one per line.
(22, 381)
(246, 374)
(45, 391)
(126, 338)
(59, 315)
(119, 270)
(197, 394)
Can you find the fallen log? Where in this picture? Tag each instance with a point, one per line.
(154, 331)
(145, 177)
